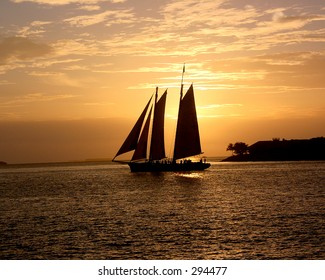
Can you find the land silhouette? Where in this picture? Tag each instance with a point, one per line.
(279, 150)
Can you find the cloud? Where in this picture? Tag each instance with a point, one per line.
(215, 106)
(118, 16)
(90, 8)
(280, 17)
(4, 68)
(66, 47)
(36, 28)
(20, 48)
(207, 26)
(171, 29)
(278, 14)
(281, 22)
(57, 78)
(5, 82)
(282, 72)
(48, 63)
(212, 14)
(180, 28)
(66, 2)
(41, 97)
(32, 98)
(190, 28)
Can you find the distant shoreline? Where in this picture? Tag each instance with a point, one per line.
(249, 159)
(283, 150)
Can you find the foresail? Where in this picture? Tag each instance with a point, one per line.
(141, 149)
(187, 142)
(157, 147)
(131, 141)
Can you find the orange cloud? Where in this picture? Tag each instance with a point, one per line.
(66, 2)
(20, 48)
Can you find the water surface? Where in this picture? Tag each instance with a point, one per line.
(273, 210)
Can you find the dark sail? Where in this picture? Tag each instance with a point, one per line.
(187, 142)
(131, 141)
(157, 147)
(141, 149)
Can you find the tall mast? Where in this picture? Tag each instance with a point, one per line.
(156, 96)
(181, 93)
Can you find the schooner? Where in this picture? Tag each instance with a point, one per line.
(187, 139)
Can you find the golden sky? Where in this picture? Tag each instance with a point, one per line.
(76, 74)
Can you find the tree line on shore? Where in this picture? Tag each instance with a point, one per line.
(276, 149)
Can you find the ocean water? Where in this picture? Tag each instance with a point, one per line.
(273, 210)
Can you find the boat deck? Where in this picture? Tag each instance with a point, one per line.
(165, 166)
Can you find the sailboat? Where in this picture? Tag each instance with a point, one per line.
(187, 139)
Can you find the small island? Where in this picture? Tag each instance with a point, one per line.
(279, 150)
(3, 163)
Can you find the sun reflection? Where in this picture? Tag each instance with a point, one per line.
(195, 175)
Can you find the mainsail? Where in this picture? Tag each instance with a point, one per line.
(187, 141)
(157, 147)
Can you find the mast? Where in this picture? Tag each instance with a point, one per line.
(181, 93)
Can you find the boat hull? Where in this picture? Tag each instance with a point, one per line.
(167, 167)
